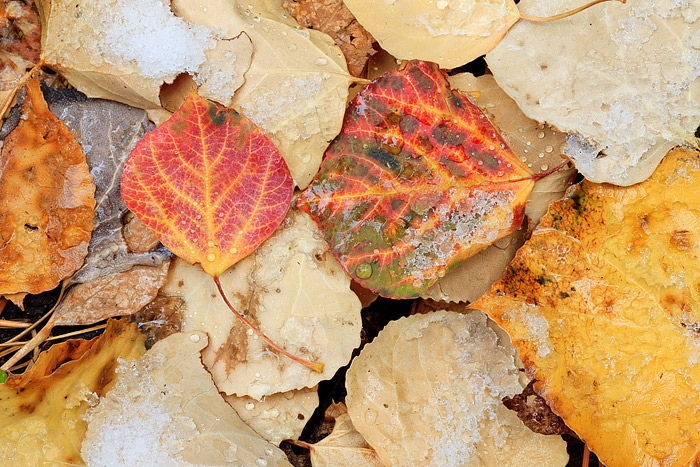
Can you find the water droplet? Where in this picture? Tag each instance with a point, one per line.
(257, 375)
(249, 406)
(211, 257)
(540, 135)
(417, 283)
(371, 416)
(261, 462)
(499, 173)
(269, 452)
(320, 61)
(548, 149)
(364, 271)
(221, 215)
(198, 216)
(210, 244)
(509, 165)
(249, 332)
(233, 251)
(523, 158)
(194, 338)
(305, 157)
(545, 167)
(491, 147)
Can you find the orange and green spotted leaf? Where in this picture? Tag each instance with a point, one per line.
(417, 181)
(209, 184)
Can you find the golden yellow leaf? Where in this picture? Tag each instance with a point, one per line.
(42, 409)
(427, 392)
(626, 78)
(46, 201)
(602, 304)
(165, 410)
(294, 290)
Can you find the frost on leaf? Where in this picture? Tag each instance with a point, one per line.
(417, 181)
(427, 391)
(448, 32)
(297, 84)
(42, 409)
(46, 201)
(602, 305)
(625, 78)
(292, 288)
(164, 410)
(279, 416)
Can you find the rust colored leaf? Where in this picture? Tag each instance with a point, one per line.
(417, 181)
(42, 409)
(602, 304)
(209, 184)
(46, 201)
(534, 412)
(334, 18)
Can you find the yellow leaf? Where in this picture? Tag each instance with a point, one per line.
(602, 305)
(42, 409)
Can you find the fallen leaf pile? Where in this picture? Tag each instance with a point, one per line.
(329, 233)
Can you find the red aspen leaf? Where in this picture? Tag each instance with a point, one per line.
(46, 202)
(209, 184)
(417, 181)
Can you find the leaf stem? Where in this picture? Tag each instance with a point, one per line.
(301, 444)
(537, 19)
(550, 171)
(318, 367)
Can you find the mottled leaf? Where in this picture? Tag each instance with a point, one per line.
(209, 184)
(417, 181)
(107, 132)
(42, 409)
(603, 308)
(46, 201)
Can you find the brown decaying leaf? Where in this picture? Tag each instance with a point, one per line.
(535, 413)
(345, 446)
(334, 18)
(107, 131)
(280, 416)
(42, 409)
(46, 201)
(165, 410)
(159, 319)
(602, 305)
(427, 392)
(138, 237)
(119, 294)
(293, 289)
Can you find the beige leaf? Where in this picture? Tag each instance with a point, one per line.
(539, 146)
(345, 446)
(297, 84)
(427, 392)
(448, 32)
(165, 410)
(624, 77)
(279, 416)
(126, 51)
(293, 289)
(119, 294)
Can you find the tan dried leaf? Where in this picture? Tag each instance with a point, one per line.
(159, 319)
(119, 294)
(46, 201)
(138, 237)
(165, 410)
(624, 77)
(279, 416)
(42, 409)
(427, 391)
(297, 84)
(448, 32)
(334, 18)
(293, 289)
(93, 46)
(345, 446)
